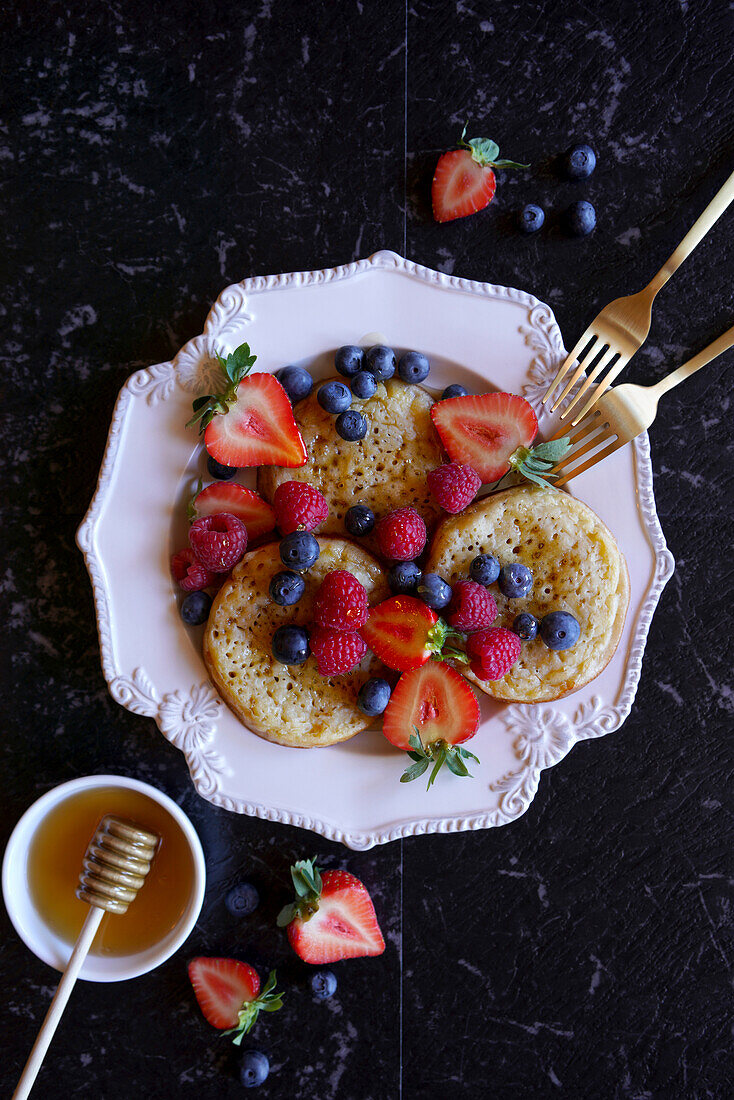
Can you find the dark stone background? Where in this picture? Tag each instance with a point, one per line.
(153, 153)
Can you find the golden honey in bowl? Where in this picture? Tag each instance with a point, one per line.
(55, 859)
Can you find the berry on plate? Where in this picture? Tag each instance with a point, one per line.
(578, 162)
(195, 608)
(413, 367)
(530, 219)
(525, 626)
(364, 385)
(485, 431)
(251, 422)
(404, 632)
(493, 652)
(296, 382)
(349, 360)
(336, 651)
(298, 505)
(401, 535)
(256, 514)
(299, 550)
(218, 471)
(434, 591)
(332, 918)
(219, 541)
(484, 569)
(229, 994)
(242, 899)
(404, 578)
(189, 573)
(472, 607)
(323, 984)
(464, 180)
(454, 390)
(380, 361)
(454, 486)
(359, 520)
(559, 630)
(254, 1068)
(579, 219)
(290, 645)
(374, 695)
(334, 397)
(341, 602)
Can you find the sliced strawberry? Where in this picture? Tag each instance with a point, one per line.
(332, 918)
(485, 431)
(460, 186)
(404, 632)
(227, 496)
(258, 428)
(436, 701)
(227, 991)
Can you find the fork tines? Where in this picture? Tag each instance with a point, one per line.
(591, 352)
(586, 439)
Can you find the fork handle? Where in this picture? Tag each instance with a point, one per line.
(695, 234)
(677, 376)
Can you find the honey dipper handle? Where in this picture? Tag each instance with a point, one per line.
(58, 1004)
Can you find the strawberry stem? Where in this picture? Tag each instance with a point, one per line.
(268, 1001)
(436, 753)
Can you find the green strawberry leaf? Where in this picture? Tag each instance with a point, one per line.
(308, 885)
(484, 151)
(191, 513)
(536, 463)
(553, 450)
(508, 164)
(456, 765)
(267, 1001)
(234, 367)
(415, 771)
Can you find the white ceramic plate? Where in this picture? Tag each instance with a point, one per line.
(481, 335)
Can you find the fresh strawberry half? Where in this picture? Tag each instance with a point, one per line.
(227, 496)
(432, 710)
(332, 918)
(464, 180)
(404, 632)
(250, 423)
(228, 992)
(485, 431)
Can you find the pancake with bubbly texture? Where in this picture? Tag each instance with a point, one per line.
(291, 705)
(385, 470)
(576, 566)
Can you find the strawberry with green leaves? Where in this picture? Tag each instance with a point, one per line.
(228, 992)
(464, 180)
(405, 633)
(228, 496)
(332, 918)
(250, 423)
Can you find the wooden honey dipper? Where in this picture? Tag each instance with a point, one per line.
(113, 870)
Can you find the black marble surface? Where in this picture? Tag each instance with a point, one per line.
(149, 156)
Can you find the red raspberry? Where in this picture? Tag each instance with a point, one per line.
(335, 650)
(341, 602)
(298, 506)
(189, 573)
(219, 541)
(494, 651)
(454, 486)
(471, 607)
(401, 535)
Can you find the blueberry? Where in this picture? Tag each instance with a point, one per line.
(349, 360)
(381, 362)
(530, 218)
(296, 382)
(219, 471)
(374, 696)
(299, 549)
(404, 578)
(559, 630)
(323, 982)
(515, 580)
(290, 645)
(195, 608)
(359, 520)
(242, 899)
(434, 591)
(454, 390)
(484, 569)
(413, 367)
(525, 626)
(579, 219)
(579, 162)
(254, 1068)
(286, 588)
(351, 425)
(334, 397)
(364, 385)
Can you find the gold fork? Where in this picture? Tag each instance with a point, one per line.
(624, 412)
(621, 328)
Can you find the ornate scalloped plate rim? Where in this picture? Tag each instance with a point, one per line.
(519, 786)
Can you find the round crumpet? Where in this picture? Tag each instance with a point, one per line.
(291, 705)
(576, 566)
